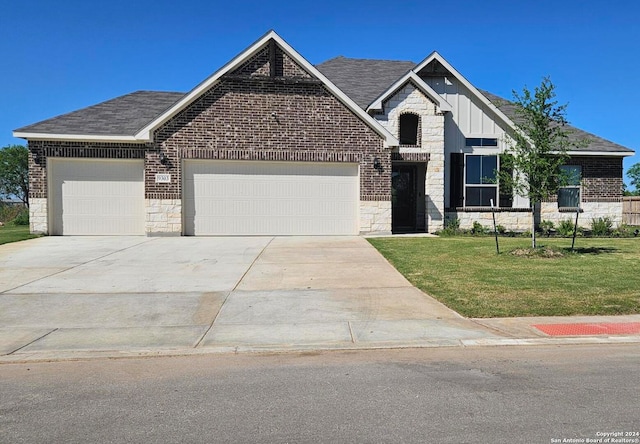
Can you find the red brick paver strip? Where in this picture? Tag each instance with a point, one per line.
(608, 328)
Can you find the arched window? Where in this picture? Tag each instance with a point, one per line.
(409, 129)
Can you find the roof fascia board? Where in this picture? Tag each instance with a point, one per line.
(76, 137)
(436, 56)
(601, 153)
(420, 84)
(146, 132)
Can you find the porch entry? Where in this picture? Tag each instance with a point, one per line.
(407, 197)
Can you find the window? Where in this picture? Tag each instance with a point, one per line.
(481, 141)
(480, 181)
(474, 182)
(569, 195)
(409, 129)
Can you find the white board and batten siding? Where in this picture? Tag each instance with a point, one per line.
(469, 117)
(96, 197)
(270, 198)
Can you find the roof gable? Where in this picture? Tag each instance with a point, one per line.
(248, 58)
(412, 78)
(436, 64)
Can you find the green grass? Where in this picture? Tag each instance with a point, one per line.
(601, 278)
(15, 233)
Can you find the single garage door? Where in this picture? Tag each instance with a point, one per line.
(269, 198)
(96, 197)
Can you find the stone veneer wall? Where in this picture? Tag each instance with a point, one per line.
(375, 216)
(589, 211)
(163, 217)
(409, 99)
(520, 220)
(511, 220)
(38, 216)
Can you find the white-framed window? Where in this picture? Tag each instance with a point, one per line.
(569, 195)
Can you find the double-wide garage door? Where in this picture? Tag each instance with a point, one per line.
(96, 196)
(270, 198)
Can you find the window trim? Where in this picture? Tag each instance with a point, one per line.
(576, 186)
(466, 185)
(417, 128)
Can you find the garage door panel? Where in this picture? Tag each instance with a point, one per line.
(97, 197)
(226, 197)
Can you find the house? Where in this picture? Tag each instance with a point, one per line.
(270, 144)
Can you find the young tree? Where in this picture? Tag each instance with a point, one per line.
(538, 148)
(14, 172)
(633, 174)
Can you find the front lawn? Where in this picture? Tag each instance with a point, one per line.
(466, 274)
(14, 233)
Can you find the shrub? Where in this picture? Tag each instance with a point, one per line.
(451, 227)
(501, 229)
(546, 226)
(22, 218)
(601, 226)
(565, 227)
(624, 230)
(478, 228)
(9, 212)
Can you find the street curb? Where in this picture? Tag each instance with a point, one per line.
(85, 355)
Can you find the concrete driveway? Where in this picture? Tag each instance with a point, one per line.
(137, 294)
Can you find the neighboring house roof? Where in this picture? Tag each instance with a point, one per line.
(364, 80)
(122, 116)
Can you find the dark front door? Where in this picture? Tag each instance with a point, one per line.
(403, 198)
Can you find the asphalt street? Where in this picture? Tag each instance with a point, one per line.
(452, 395)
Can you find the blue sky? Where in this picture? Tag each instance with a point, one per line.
(59, 56)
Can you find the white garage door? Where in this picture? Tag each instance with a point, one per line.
(268, 198)
(96, 196)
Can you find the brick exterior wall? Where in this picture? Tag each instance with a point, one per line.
(602, 178)
(40, 150)
(268, 109)
(249, 116)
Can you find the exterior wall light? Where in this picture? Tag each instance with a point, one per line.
(377, 164)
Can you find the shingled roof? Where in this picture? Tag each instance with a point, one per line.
(122, 116)
(364, 79)
(596, 143)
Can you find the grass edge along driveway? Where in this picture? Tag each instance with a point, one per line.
(466, 274)
(14, 233)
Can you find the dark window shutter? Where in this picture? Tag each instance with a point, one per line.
(506, 192)
(457, 180)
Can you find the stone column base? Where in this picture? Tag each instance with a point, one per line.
(163, 217)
